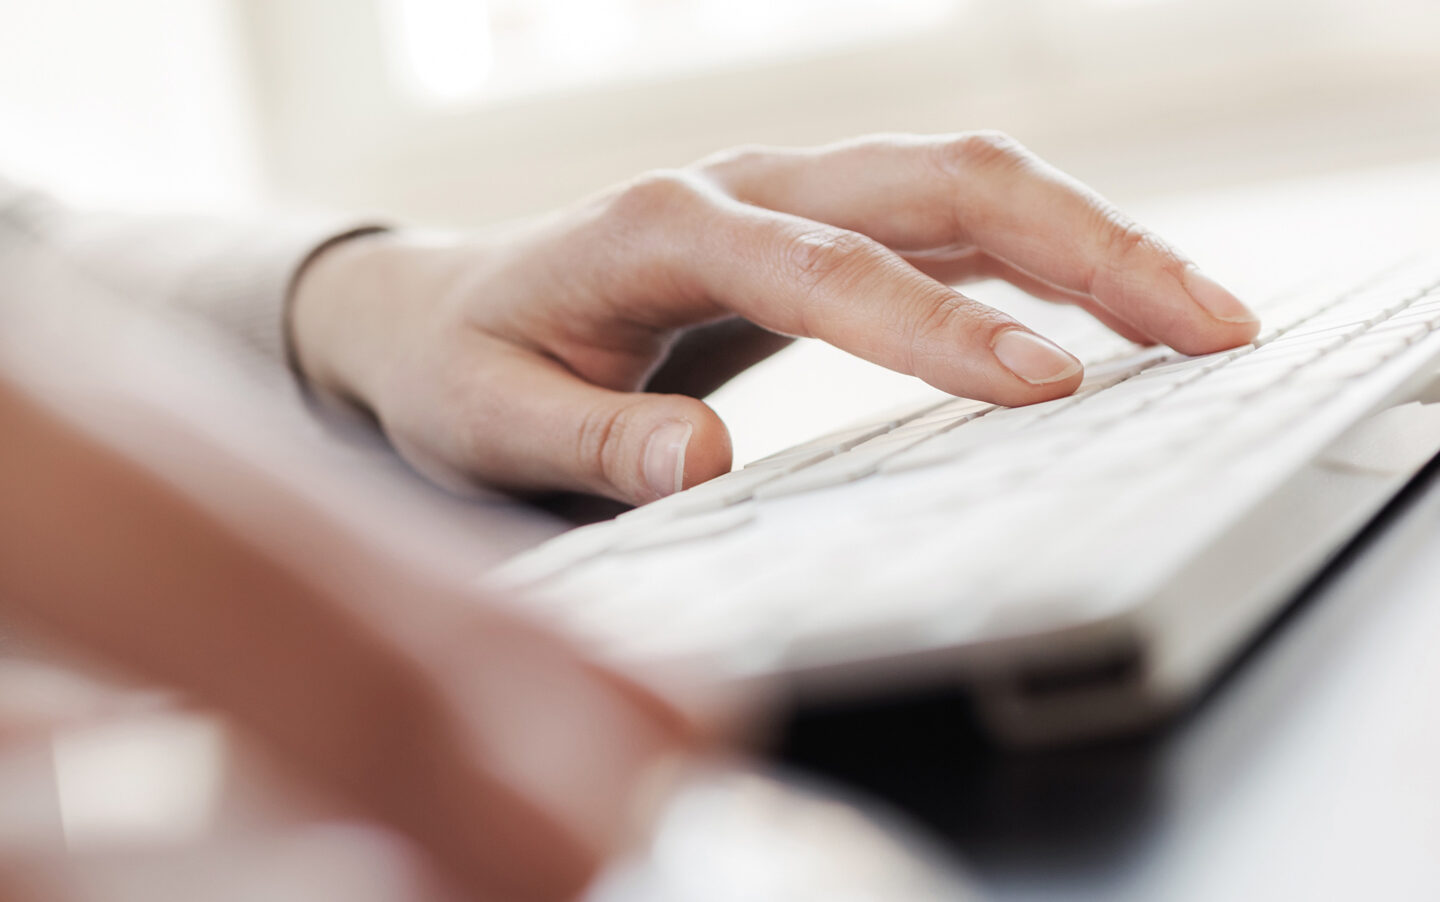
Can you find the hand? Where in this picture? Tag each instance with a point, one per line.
(539, 359)
(514, 759)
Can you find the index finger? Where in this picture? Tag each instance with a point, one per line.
(801, 277)
(984, 190)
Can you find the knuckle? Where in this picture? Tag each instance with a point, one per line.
(954, 313)
(727, 164)
(1125, 240)
(1126, 247)
(599, 451)
(979, 150)
(639, 223)
(950, 322)
(654, 195)
(819, 257)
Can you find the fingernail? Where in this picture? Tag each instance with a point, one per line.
(1216, 299)
(1034, 359)
(665, 457)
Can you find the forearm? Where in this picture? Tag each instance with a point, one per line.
(237, 276)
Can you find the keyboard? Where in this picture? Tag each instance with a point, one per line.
(1081, 566)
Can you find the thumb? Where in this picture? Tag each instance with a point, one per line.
(565, 433)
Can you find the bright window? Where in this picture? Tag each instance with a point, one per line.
(464, 50)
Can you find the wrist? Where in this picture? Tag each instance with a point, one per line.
(334, 314)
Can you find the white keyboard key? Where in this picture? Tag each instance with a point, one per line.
(981, 477)
(831, 443)
(555, 556)
(1228, 384)
(1187, 368)
(1382, 344)
(1298, 394)
(922, 430)
(1278, 355)
(1141, 390)
(951, 445)
(933, 579)
(1430, 300)
(919, 429)
(1034, 449)
(1337, 330)
(1183, 416)
(1280, 320)
(842, 468)
(1031, 413)
(745, 622)
(687, 529)
(1365, 306)
(1106, 408)
(1104, 375)
(1138, 443)
(945, 488)
(720, 492)
(951, 411)
(1343, 364)
(1409, 332)
(1424, 313)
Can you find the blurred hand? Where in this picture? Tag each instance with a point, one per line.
(517, 762)
(569, 353)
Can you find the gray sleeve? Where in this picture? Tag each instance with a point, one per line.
(236, 276)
